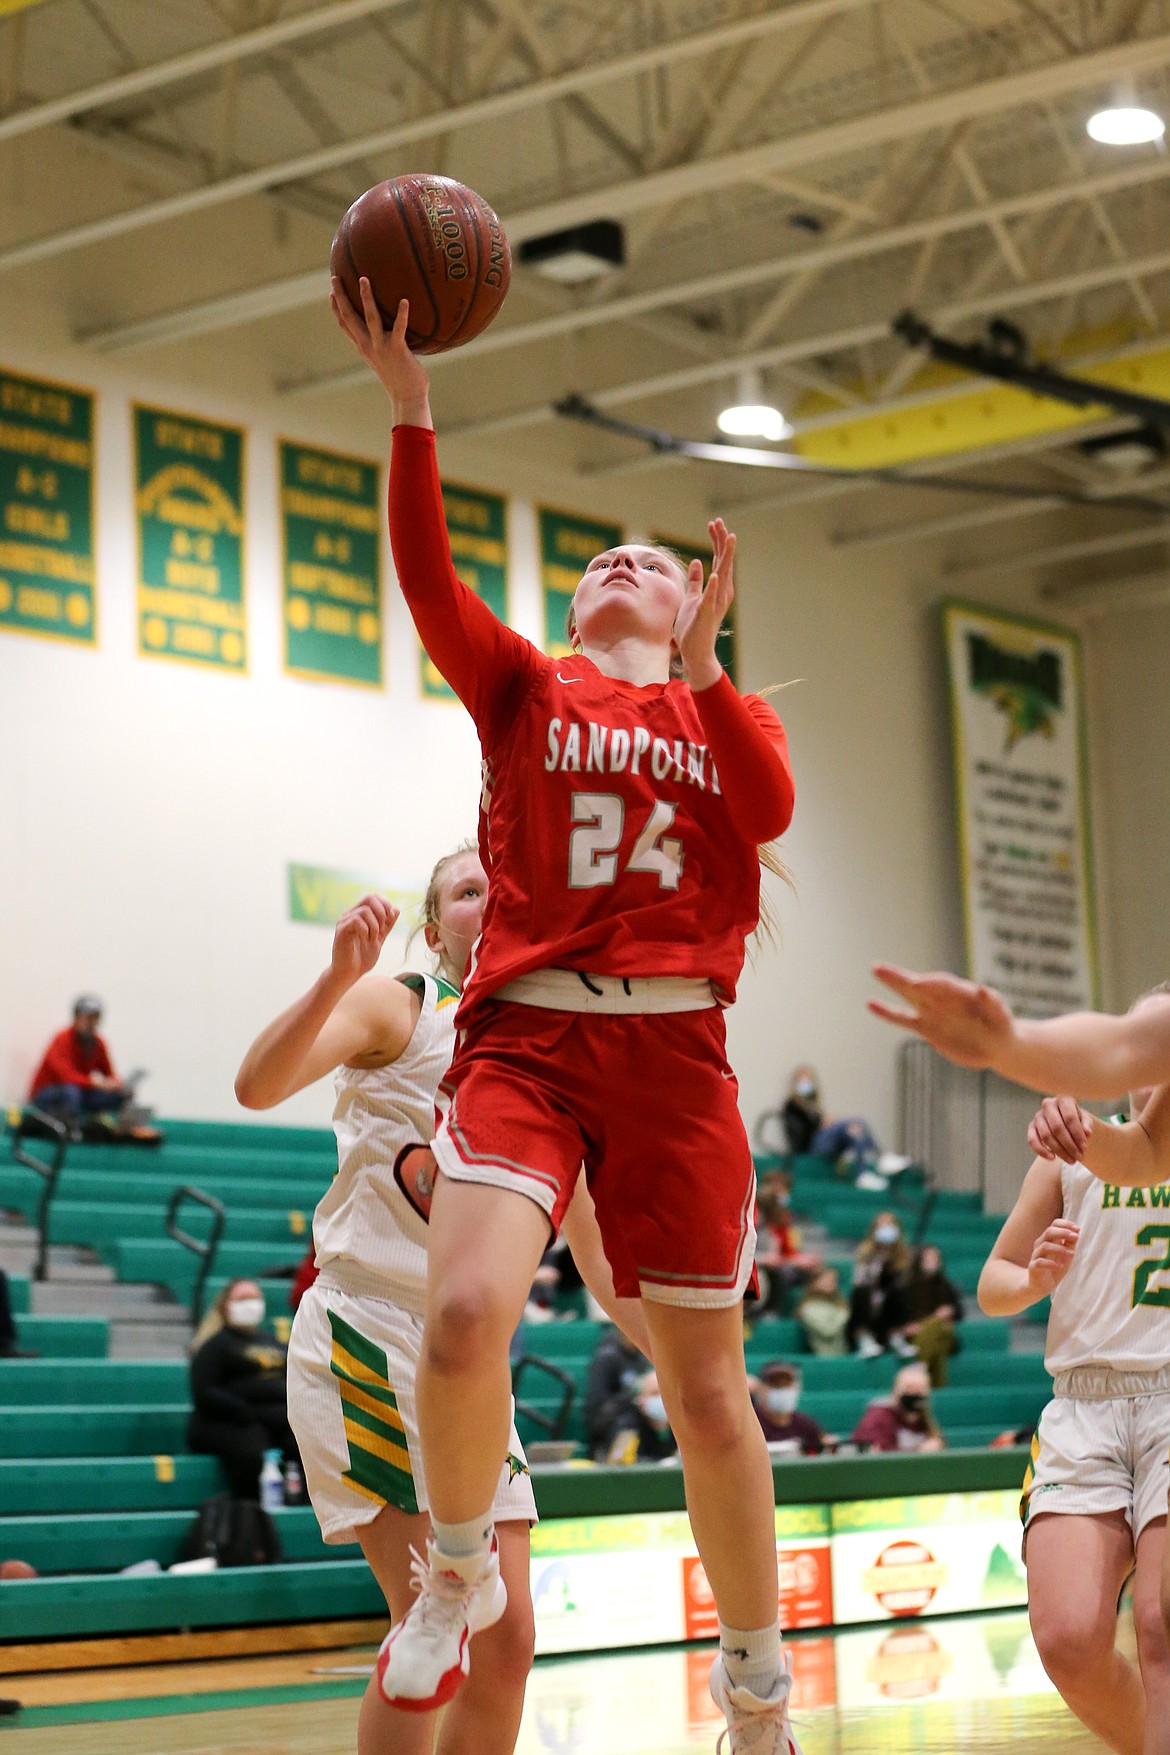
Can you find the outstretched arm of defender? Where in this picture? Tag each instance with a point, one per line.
(1092, 1054)
(341, 1018)
(1136, 1155)
(1034, 1250)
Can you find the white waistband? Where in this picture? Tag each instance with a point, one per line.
(359, 1281)
(565, 990)
(1099, 1383)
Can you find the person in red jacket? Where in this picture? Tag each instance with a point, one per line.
(627, 791)
(76, 1078)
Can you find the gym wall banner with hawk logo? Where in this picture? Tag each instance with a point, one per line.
(1022, 802)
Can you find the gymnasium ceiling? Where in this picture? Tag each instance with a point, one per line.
(790, 175)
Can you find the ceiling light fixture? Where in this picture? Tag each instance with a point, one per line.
(1126, 125)
(750, 416)
(580, 254)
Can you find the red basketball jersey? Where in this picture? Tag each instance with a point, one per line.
(605, 825)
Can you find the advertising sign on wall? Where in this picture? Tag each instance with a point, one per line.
(940, 1554)
(189, 500)
(331, 521)
(319, 896)
(1017, 713)
(46, 509)
(477, 525)
(567, 545)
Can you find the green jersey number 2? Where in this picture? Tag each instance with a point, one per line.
(1148, 1236)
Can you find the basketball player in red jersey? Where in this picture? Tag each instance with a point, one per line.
(622, 813)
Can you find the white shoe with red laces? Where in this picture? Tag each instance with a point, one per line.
(425, 1658)
(754, 1726)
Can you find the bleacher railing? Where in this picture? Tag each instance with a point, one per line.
(49, 1172)
(204, 1248)
(556, 1424)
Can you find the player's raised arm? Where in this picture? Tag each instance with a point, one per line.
(1033, 1251)
(1093, 1054)
(487, 665)
(341, 1017)
(747, 741)
(1135, 1154)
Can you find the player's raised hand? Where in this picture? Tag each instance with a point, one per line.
(359, 936)
(1060, 1129)
(963, 1020)
(385, 351)
(703, 608)
(1052, 1256)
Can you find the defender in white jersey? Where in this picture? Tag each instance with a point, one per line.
(355, 1341)
(1095, 1493)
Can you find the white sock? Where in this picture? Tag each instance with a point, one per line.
(752, 1657)
(465, 1545)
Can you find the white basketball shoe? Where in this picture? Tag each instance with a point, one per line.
(425, 1657)
(754, 1726)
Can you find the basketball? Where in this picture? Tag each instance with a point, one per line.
(434, 242)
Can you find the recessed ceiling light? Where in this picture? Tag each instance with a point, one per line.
(1126, 126)
(750, 416)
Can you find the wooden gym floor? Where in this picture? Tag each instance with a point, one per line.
(915, 1688)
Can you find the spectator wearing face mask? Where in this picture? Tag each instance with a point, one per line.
(877, 1308)
(849, 1141)
(642, 1433)
(934, 1306)
(778, 1249)
(238, 1393)
(775, 1397)
(901, 1421)
(823, 1314)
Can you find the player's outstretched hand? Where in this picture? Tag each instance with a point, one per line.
(1052, 1256)
(385, 351)
(1060, 1129)
(968, 1023)
(359, 936)
(703, 608)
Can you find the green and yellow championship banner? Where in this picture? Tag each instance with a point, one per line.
(725, 645)
(567, 545)
(331, 521)
(478, 528)
(46, 521)
(189, 501)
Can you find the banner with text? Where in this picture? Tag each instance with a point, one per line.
(725, 639)
(331, 522)
(478, 527)
(567, 545)
(46, 491)
(319, 896)
(189, 499)
(1017, 718)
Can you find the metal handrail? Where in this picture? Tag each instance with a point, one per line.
(206, 1251)
(556, 1425)
(49, 1173)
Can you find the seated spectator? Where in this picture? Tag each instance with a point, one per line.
(934, 1306)
(778, 1249)
(849, 1142)
(76, 1082)
(10, 1347)
(641, 1431)
(823, 1314)
(903, 1420)
(877, 1307)
(775, 1395)
(240, 1407)
(614, 1373)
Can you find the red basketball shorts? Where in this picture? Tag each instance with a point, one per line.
(648, 1103)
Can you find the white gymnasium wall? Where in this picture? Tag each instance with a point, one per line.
(149, 808)
(1129, 681)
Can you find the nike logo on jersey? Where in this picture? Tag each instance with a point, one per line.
(569, 679)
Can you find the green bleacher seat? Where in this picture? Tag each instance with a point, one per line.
(99, 1225)
(19, 1292)
(168, 1264)
(122, 1538)
(65, 1337)
(60, 1485)
(20, 1189)
(94, 1429)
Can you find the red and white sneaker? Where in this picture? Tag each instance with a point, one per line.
(754, 1726)
(425, 1658)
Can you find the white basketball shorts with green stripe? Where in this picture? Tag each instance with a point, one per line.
(352, 1363)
